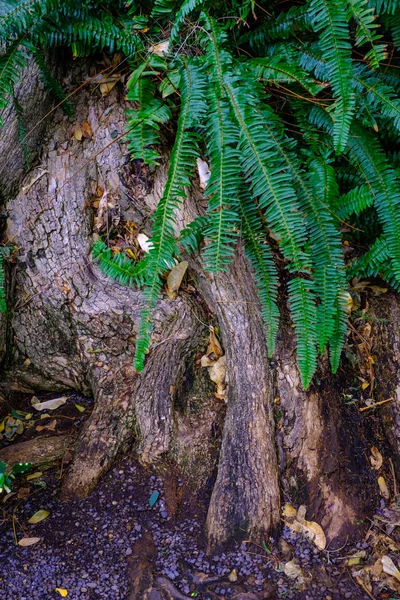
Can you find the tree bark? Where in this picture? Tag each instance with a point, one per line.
(78, 330)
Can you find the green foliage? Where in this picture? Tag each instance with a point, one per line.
(296, 114)
(4, 252)
(8, 475)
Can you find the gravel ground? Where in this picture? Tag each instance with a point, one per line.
(86, 545)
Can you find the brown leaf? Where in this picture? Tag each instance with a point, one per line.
(24, 542)
(50, 427)
(86, 130)
(376, 458)
(390, 568)
(175, 277)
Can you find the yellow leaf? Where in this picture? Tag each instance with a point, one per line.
(315, 533)
(34, 475)
(384, 488)
(105, 88)
(2, 425)
(80, 408)
(233, 576)
(24, 542)
(62, 592)
(364, 385)
(289, 511)
(40, 515)
(78, 133)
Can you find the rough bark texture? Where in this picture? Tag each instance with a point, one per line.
(76, 326)
(246, 494)
(78, 330)
(323, 457)
(41, 451)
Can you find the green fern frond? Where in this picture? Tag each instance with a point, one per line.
(284, 26)
(182, 161)
(366, 154)
(367, 26)
(274, 70)
(163, 8)
(186, 8)
(12, 62)
(143, 124)
(52, 84)
(329, 20)
(261, 261)
(193, 234)
(4, 253)
(381, 97)
(303, 312)
(118, 266)
(355, 201)
(338, 337)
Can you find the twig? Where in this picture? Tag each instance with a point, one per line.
(362, 586)
(395, 489)
(374, 405)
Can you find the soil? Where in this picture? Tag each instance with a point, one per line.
(115, 545)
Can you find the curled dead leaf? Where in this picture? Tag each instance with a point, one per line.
(218, 374)
(390, 568)
(160, 49)
(376, 458)
(175, 277)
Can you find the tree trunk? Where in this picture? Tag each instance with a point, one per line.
(78, 330)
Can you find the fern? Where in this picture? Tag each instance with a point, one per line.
(297, 116)
(329, 19)
(182, 161)
(4, 253)
(119, 266)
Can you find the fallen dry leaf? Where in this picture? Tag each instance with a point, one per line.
(390, 568)
(86, 130)
(34, 475)
(40, 515)
(297, 523)
(50, 427)
(376, 458)
(384, 488)
(175, 277)
(24, 542)
(233, 576)
(63, 592)
(78, 133)
(218, 374)
(159, 49)
(49, 404)
(144, 243)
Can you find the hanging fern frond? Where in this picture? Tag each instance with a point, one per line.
(12, 62)
(274, 70)
(329, 21)
(186, 8)
(367, 155)
(182, 160)
(193, 234)
(366, 32)
(262, 263)
(355, 201)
